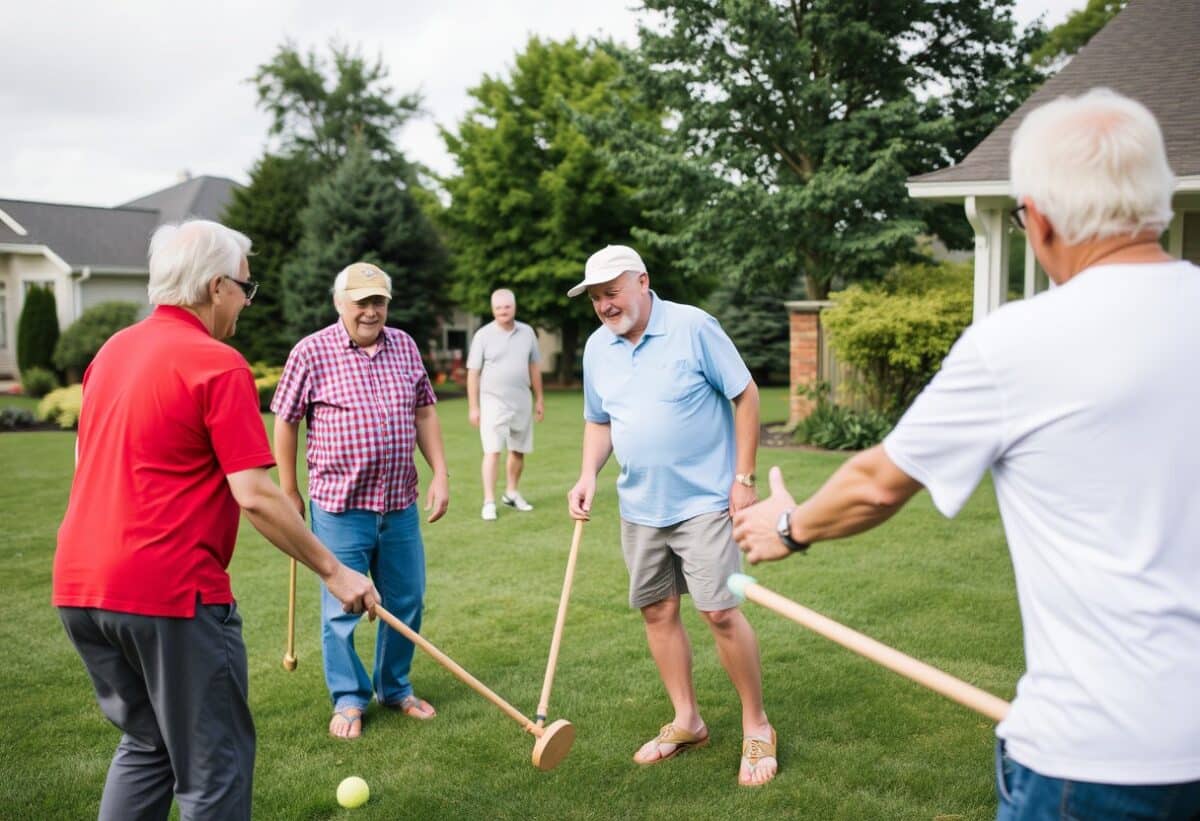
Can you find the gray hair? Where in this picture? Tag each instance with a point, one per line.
(186, 256)
(502, 292)
(1095, 165)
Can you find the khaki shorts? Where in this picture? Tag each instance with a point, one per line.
(501, 427)
(695, 556)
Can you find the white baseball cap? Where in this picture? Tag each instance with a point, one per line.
(606, 265)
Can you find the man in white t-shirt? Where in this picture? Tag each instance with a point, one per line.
(502, 366)
(1084, 404)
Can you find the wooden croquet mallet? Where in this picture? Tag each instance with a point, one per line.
(556, 640)
(289, 657)
(553, 742)
(745, 587)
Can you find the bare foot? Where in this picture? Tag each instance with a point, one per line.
(346, 723)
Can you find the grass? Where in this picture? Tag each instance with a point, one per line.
(856, 741)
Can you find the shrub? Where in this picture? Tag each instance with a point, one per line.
(83, 338)
(837, 428)
(266, 379)
(62, 406)
(37, 381)
(896, 334)
(14, 418)
(37, 330)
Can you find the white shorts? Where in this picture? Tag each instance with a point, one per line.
(500, 426)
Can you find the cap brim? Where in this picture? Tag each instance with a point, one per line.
(363, 293)
(578, 289)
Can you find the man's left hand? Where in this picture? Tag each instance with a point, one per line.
(539, 410)
(437, 500)
(741, 497)
(754, 527)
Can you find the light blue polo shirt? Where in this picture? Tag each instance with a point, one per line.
(667, 401)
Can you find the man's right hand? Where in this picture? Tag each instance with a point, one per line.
(354, 590)
(473, 415)
(579, 498)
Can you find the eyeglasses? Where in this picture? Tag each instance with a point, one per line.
(249, 287)
(1018, 219)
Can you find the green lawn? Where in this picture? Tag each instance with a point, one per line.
(855, 741)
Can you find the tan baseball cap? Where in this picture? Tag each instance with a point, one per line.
(364, 279)
(606, 265)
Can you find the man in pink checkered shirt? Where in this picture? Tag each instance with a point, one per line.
(364, 392)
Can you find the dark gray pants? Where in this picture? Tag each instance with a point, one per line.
(177, 689)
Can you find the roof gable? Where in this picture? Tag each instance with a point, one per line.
(204, 197)
(85, 235)
(1147, 52)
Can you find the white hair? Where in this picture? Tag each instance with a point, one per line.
(504, 292)
(1095, 165)
(186, 256)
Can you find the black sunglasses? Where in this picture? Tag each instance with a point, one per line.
(1018, 219)
(249, 287)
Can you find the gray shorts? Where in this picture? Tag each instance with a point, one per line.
(694, 556)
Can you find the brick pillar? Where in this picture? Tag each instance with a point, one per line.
(804, 320)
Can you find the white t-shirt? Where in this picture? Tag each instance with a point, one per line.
(503, 359)
(1085, 404)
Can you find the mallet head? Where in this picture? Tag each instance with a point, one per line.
(737, 585)
(553, 744)
(289, 663)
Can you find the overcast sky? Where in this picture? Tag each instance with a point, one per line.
(104, 102)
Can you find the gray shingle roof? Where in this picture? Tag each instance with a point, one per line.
(204, 197)
(83, 235)
(1148, 52)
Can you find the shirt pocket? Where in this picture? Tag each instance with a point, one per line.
(676, 380)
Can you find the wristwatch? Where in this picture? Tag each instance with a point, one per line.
(746, 479)
(784, 529)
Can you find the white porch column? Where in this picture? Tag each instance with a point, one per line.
(991, 255)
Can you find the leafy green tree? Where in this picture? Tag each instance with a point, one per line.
(37, 329)
(268, 211)
(1072, 34)
(83, 338)
(319, 107)
(534, 196)
(795, 124)
(362, 213)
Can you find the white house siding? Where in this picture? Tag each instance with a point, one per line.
(20, 271)
(101, 287)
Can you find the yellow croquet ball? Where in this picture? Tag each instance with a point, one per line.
(353, 792)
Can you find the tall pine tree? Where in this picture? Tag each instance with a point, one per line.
(361, 213)
(37, 329)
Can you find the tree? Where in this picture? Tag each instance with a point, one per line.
(795, 125)
(268, 211)
(84, 337)
(37, 329)
(362, 213)
(320, 114)
(1072, 34)
(757, 321)
(534, 196)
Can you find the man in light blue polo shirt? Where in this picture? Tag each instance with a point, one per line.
(666, 390)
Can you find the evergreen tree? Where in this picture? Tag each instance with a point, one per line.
(361, 213)
(37, 330)
(757, 321)
(268, 211)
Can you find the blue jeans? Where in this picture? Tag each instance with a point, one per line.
(1026, 796)
(388, 546)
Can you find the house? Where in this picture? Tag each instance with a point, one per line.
(1147, 52)
(88, 255)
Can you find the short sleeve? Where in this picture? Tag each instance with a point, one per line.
(593, 404)
(719, 358)
(535, 353)
(234, 425)
(290, 402)
(953, 432)
(475, 354)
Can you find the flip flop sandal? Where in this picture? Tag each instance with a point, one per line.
(754, 750)
(682, 739)
(350, 715)
(413, 707)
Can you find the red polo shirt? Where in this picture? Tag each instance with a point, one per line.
(168, 413)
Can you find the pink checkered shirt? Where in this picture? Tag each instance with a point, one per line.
(361, 413)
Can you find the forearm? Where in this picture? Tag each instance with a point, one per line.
(597, 446)
(286, 446)
(745, 428)
(473, 389)
(864, 492)
(535, 381)
(429, 439)
(272, 515)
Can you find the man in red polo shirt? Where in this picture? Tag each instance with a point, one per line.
(171, 446)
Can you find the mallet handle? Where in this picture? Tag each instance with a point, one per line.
(556, 641)
(289, 658)
(920, 672)
(449, 663)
